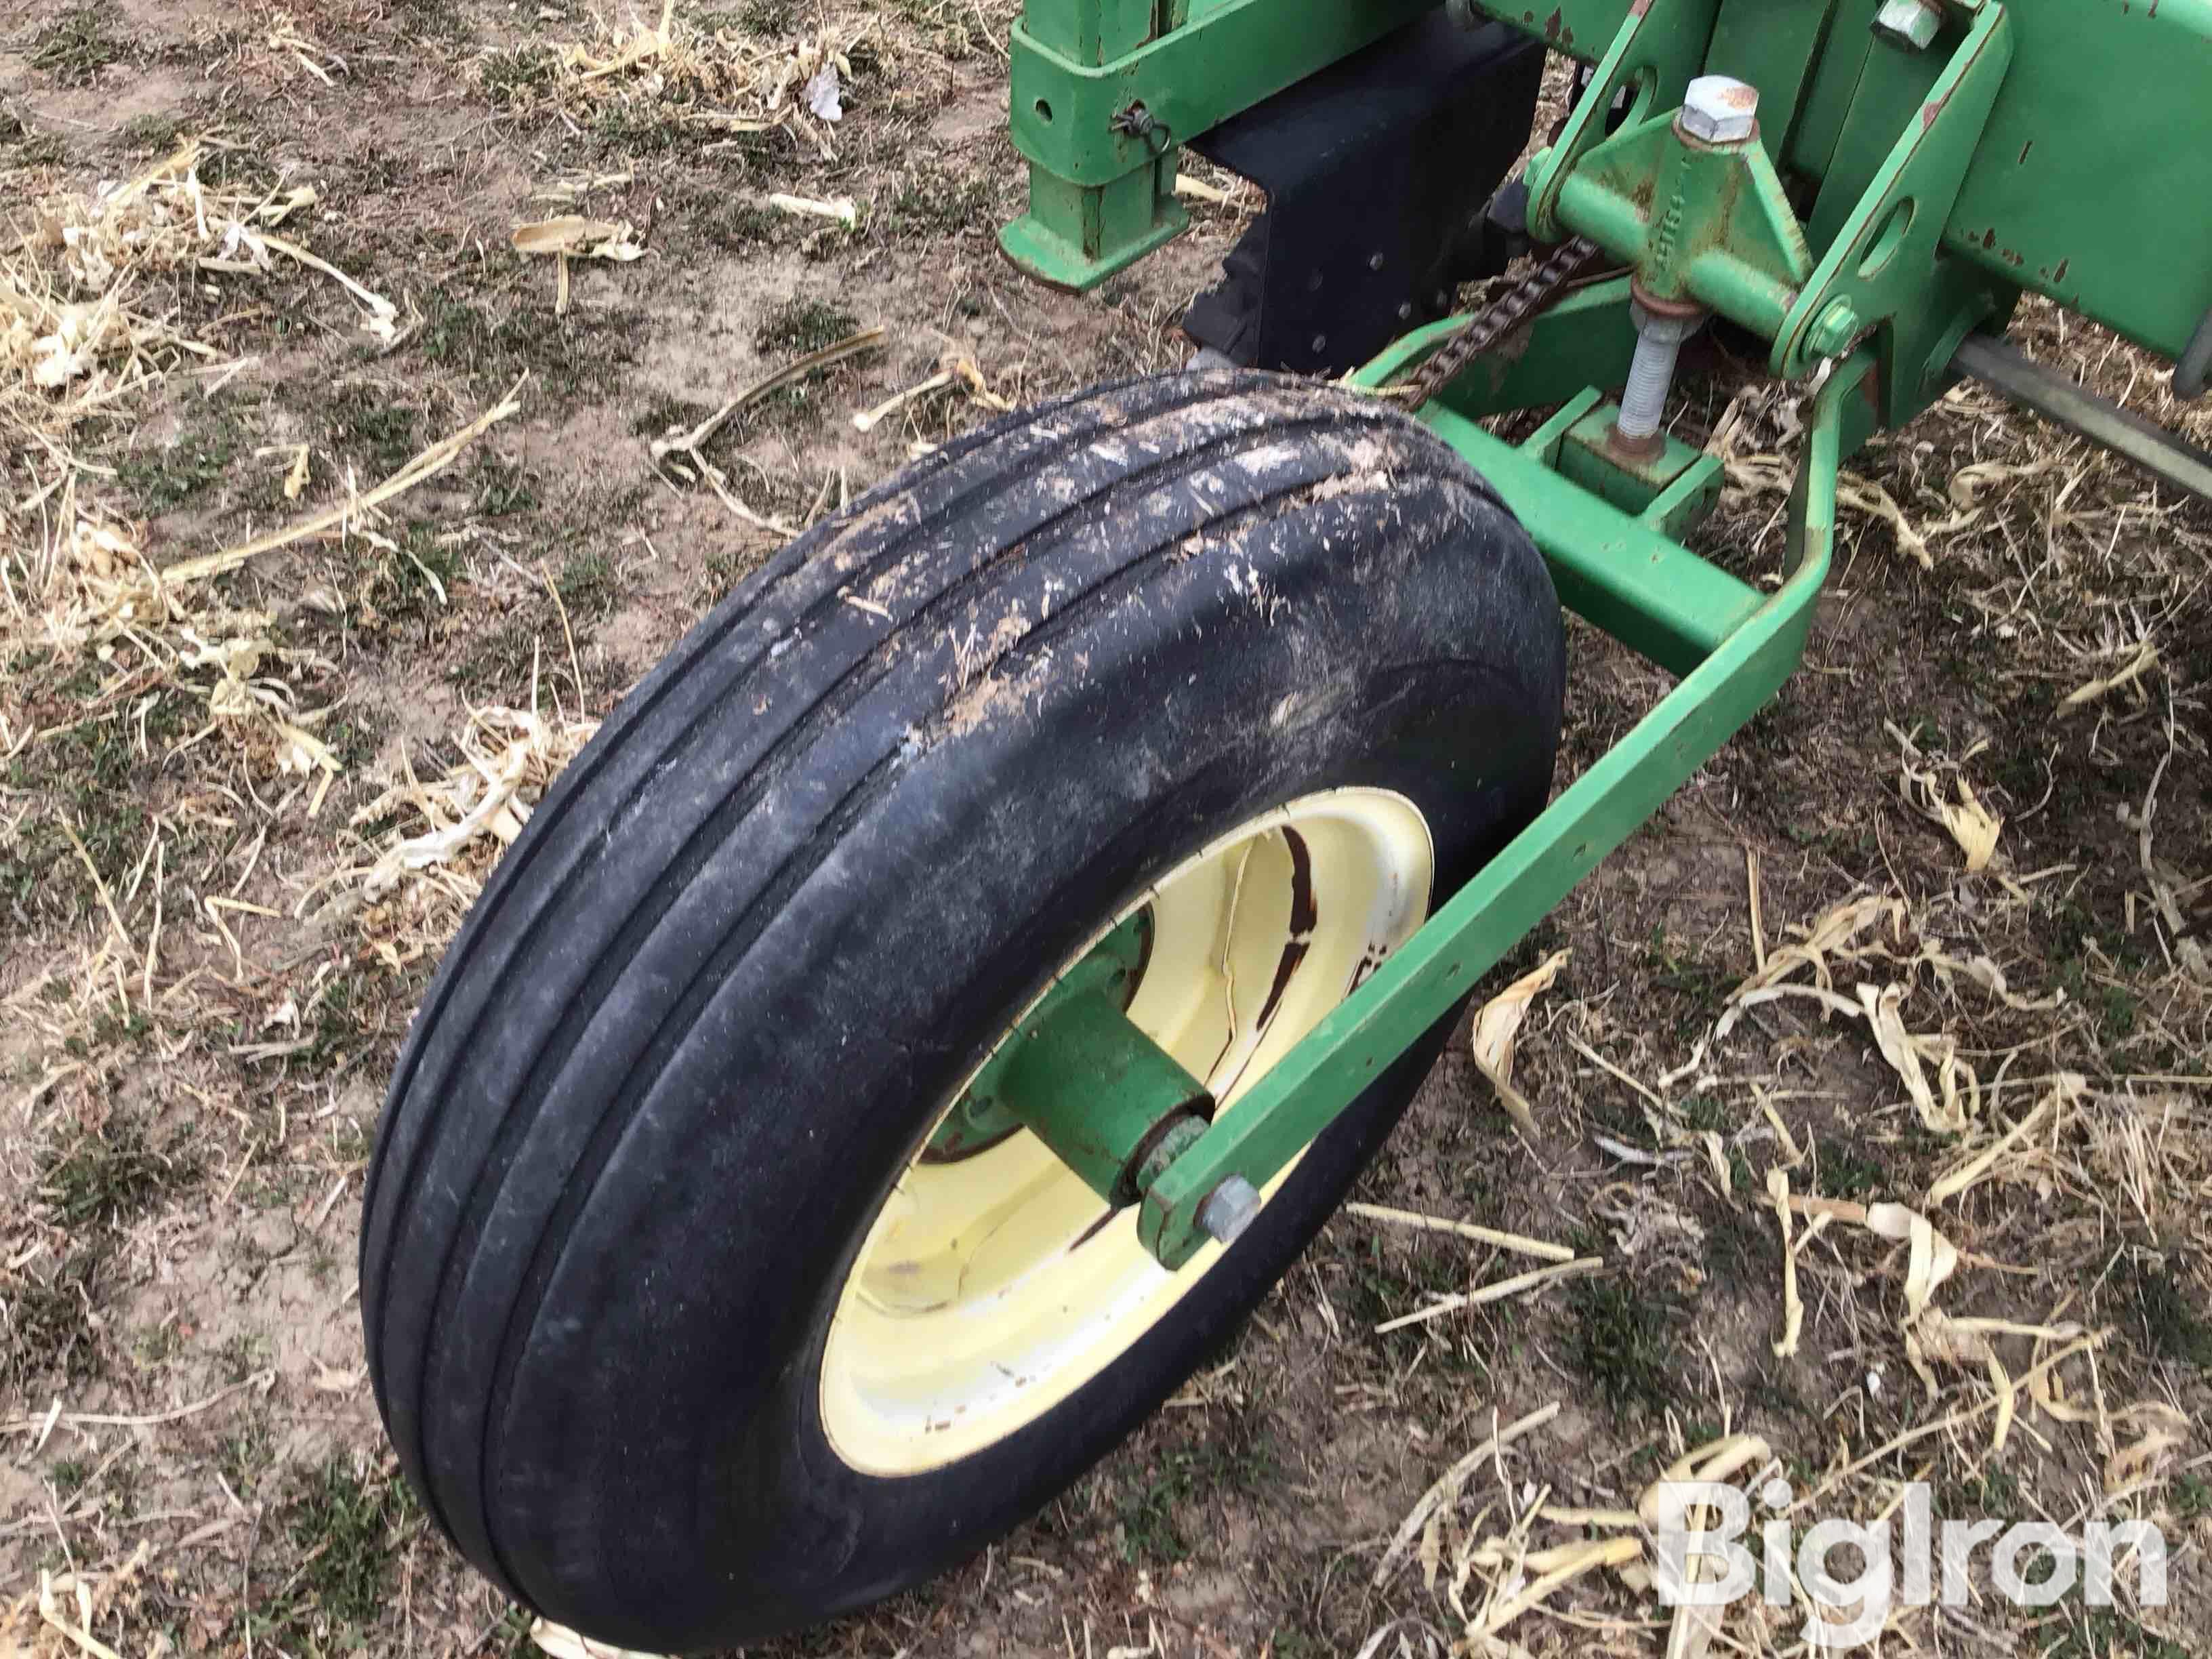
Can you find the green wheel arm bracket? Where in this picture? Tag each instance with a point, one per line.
(1299, 1097)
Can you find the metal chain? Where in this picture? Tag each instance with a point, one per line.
(1494, 322)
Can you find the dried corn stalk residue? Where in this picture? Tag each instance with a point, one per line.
(1498, 1027)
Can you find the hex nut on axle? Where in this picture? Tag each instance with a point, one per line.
(1911, 23)
(1834, 329)
(1228, 1210)
(1719, 109)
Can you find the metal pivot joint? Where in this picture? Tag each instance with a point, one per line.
(1078, 1073)
(1110, 1103)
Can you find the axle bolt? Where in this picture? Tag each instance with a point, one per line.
(1228, 1210)
(1908, 23)
(1719, 109)
(1835, 329)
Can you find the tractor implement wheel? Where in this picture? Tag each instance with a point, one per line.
(692, 1313)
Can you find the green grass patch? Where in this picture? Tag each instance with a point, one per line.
(153, 134)
(1702, 988)
(2167, 1310)
(943, 204)
(640, 128)
(1843, 1170)
(2089, 1633)
(1155, 1510)
(503, 488)
(519, 78)
(176, 473)
(953, 25)
(417, 578)
(1622, 1340)
(568, 357)
(109, 1176)
(801, 325)
(768, 17)
(589, 587)
(347, 1529)
(662, 415)
(78, 43)
(1387, 1278)
(363, 422)
(49, 1318)
(350, 1014)
(498, 664)
(86, 778)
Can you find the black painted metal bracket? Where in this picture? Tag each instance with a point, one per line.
(1377, 172)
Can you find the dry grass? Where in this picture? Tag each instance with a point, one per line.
(1856, 1123)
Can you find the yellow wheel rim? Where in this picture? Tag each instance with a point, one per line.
(992, 1288)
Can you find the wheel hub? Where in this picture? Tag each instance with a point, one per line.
(996, 1279)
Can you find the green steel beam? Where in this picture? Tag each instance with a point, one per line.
(1878, 262)
(2082, 180)
(1609, 565)
(1222, 61)
(1818, 121)
(1670, 493)
(1303, 1092)
(1776, 45)
(1707, 222)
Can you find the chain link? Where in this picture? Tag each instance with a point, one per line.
(1494, 322)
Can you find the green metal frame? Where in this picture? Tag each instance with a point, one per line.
(1892, 200)
(2073, 134)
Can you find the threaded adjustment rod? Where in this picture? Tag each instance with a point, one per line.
(1651, 375)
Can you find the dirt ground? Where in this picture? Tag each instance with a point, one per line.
(219, 908)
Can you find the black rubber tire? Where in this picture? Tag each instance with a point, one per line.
(769, 920)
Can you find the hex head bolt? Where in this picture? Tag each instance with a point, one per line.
(1719, 109)
(1229, 1209)
(1912, 24)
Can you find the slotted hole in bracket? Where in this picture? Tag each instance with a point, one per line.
(1642, 93)
(1886, 240)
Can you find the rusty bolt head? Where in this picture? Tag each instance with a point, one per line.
(1229, 1209)
(1720, 109)
(1910, 23)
